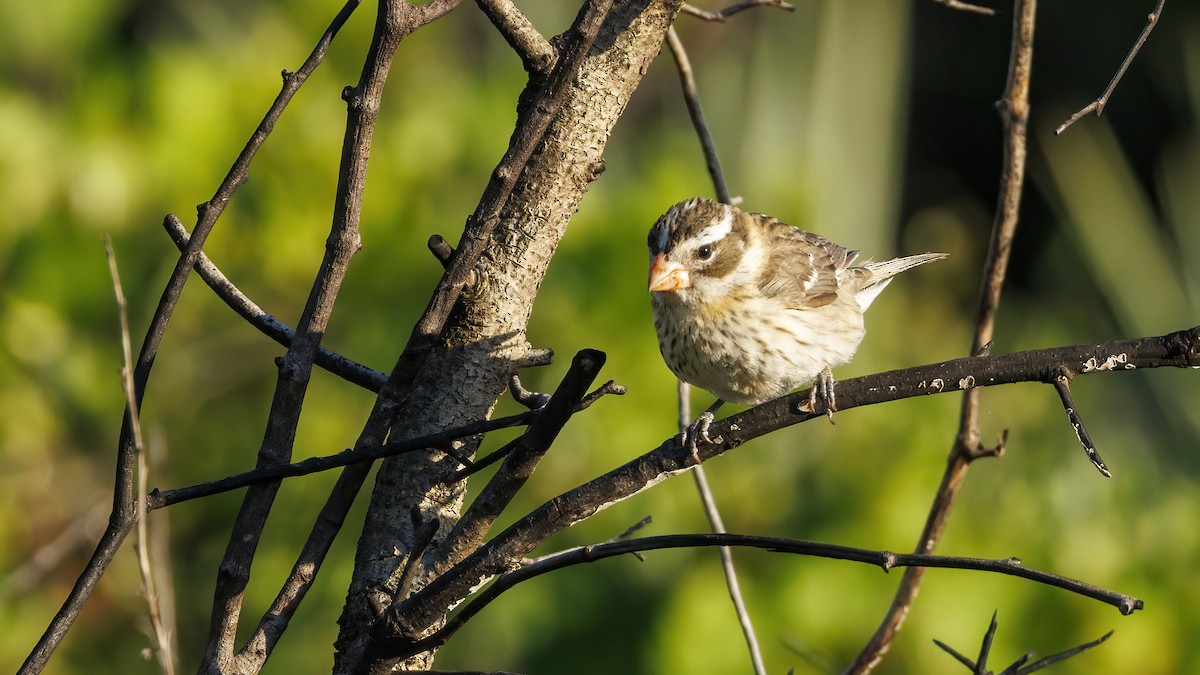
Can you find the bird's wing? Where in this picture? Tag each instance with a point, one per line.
(803, 269)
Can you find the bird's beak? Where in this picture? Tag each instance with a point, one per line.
(668, 276)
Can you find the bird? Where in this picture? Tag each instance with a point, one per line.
(750, 308)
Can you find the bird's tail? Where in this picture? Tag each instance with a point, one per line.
(883, 271)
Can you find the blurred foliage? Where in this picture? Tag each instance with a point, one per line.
(870, 122)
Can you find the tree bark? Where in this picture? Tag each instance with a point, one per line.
(483, 343)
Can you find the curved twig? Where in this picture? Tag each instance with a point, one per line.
(885, 560)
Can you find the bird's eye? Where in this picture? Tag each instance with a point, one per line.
(704, 252)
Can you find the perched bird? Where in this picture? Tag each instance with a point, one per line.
(751, 308)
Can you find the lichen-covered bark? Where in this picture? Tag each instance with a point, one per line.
(467, 370)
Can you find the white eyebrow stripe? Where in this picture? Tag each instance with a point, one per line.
(717, 229)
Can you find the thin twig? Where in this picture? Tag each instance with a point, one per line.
(717, 524)
(1064, 394)
(158, 499)
(1014, 114)
(967, 7)
(1055, 658)
(267, 324)
(124, 510)
(1018, 667)
(1098, 105)
(883, 559)
(691, 96)
(729, 11)
(161, 642)
(985, 648)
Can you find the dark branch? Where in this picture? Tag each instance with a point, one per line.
(267, 324)
(883, 559)
(1018, 667)
(1097, 106)
(692, 98)
(1175, 349)
(1013, 108)
(1064, 393)
(521, 461)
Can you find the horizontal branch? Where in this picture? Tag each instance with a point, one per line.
(441, 440)
(883, 559)
(1180, 349)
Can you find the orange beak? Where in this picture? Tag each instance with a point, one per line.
(667, 276)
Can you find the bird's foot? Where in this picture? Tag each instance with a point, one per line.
(823, 389)
(698, 431)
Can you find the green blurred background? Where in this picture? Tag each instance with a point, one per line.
(870, 122)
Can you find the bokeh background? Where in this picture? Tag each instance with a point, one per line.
(870, 122)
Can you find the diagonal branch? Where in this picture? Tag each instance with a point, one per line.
(395, 20)
(124, 510)
(1064, 393)
(1014, 115)
(521, 461)
(1097, 106)
(268, 325)
(536, 53)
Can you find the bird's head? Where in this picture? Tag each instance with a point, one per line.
(695, 249)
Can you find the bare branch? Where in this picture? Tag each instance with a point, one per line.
(729, 11)
(967, 7)
(161, 642)
(1098, 105)
(395, 21)
(268, 325)
(883, 559)
(1055, 658)
(537, 54)
(692, 98)
(1064, 393)
(1014, 115)
(1176, 349)
(1018, 667)
(124, 513)
(521, 461)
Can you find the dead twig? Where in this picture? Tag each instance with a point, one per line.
(1097, 105)
(1014, 115)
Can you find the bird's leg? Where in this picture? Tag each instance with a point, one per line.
(823, 388)
(699, 429)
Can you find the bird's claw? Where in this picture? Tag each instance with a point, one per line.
(823, 389)
(698, 431)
